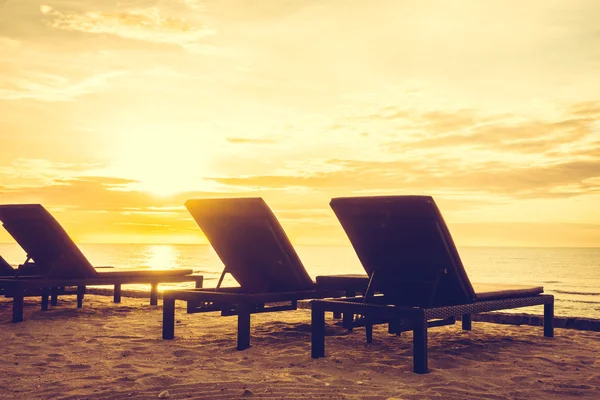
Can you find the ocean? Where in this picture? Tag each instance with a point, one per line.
(572, 275)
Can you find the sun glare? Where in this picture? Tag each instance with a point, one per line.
(161, 256)
(164, 163)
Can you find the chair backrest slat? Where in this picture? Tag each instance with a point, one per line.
(45, 241)
(405, 242)
(251, 243)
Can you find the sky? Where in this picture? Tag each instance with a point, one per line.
(114, 113)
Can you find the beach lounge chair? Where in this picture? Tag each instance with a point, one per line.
(29, 270)
(6, 269)
(60, 264)
(410, 258)
(8, 272)
(256, 251)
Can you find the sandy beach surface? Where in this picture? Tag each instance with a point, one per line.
(115, 351)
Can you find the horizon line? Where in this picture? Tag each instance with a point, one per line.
(317, 245)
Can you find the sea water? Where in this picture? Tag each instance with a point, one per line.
(572, 275)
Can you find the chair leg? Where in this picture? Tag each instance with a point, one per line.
(369, 332)
(45, 295)
(199, 282)
(549, 319)
(394, 327)
(348, 317)
(54, 296)
(317, 324)
(154, 293)
(168, 317)
(18, 300)
(243, 333)
(117, 293)
(80, 295)
(347, 320)
(420, 345)
(466, 322)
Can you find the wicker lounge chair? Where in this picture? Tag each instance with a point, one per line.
(6, 269)
(257, 253)
(410, 258)
(59, 264)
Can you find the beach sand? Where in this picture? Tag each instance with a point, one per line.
(115, 351)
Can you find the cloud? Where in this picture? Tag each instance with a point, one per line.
(105, 181)
(526, 234)
(31, 172)
(110, 193)
(508, 133)
(8, 42)
(95, 208)
(147, 24)
(238, 140)
(51, 87)
(586, 109)
(101, 209)
(566, 179)
(194, 4)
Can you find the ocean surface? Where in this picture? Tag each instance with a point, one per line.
(572, 275)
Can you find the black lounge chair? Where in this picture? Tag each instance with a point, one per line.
(410, 258)
(256, 251)
(27, 269)
(6, 270)
(54, 263)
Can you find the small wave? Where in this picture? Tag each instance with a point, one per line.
(578, 293)
(202, 271)
(580, 301)
(551, 282)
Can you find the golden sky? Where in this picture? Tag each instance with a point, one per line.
(112, 114)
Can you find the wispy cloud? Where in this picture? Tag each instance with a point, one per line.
(8, 42)
(96, 209)
(194, 4)
(52, 87)
(414, 129)
(566, 179)
(147, 24)
(508, 156)
(31, 172)
(528, 233)
(239, 140)
(101, 208)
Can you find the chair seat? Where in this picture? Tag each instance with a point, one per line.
(354, 282)
(147, 272)
(493, 291)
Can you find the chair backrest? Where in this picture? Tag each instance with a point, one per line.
(5, 268)
(45, 241)
(405, 243)
(248, 238)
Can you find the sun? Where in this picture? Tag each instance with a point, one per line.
(164, 163)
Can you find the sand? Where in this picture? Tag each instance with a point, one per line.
(115, 351)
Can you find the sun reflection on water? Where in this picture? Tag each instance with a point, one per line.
(161, 256)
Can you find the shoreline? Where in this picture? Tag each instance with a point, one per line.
(578, 323)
